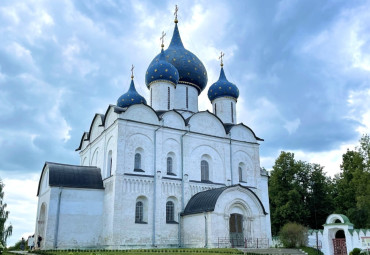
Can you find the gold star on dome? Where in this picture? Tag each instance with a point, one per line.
(166, 70)
(155, 70)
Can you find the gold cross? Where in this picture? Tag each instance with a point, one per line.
(132, 71)
(175, 13)
(220, 57)
(162, 38)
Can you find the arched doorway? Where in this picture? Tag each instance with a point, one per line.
(41, 224)
(339, 243)
(236, 229)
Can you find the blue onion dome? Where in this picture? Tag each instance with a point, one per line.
(191, 70)
(223, 88)
(161, 70)
(131, 97)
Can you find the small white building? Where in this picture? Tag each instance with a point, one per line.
(162, 173)
(339, 236)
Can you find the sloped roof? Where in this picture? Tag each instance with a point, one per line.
(72, 176)
(205, 201)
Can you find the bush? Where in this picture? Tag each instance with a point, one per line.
(355, 251)
(293, 235)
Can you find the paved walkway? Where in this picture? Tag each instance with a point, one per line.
(275, 251)
(20, 252)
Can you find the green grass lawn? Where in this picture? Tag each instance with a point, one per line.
(147, 252)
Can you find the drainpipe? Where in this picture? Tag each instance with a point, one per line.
(205, 231)
(179, 229)
(231, 162)
(57, 220)
(182, 169)
(182, 184)
(155, 183)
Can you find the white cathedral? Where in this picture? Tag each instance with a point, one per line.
(160, 173)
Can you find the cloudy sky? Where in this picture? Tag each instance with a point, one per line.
(302, 68)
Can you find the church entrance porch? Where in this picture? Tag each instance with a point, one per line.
(236, 230)
(339, 243)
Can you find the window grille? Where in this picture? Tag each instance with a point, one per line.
(170, 212)
(137, 161)
(204, 170)
(169, 95)
(187, 97)
(139, 212)
(169, 165)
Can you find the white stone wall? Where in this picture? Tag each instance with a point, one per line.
(80, 218)
(139, 129)
(160, 99)
(180, 98)
(225, 109)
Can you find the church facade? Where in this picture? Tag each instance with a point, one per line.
(160, 173)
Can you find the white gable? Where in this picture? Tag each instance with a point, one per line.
(206, 123)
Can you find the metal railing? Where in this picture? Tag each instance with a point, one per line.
(255, 243)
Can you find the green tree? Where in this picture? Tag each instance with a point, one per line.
(287, 197)
(5, 231)
(352, 185)
(320, 199)
(299, 192)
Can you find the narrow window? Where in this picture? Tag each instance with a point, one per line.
(137, 161)
(232, 113)
(216, 109)
(187, 98)
(151, 97)
(170, 212)
(169, 165)
(169, 94)
(139, 212)
(109, 166)
(204, 171)
(240, 174)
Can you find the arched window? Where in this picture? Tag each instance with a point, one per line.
(139, 212)
(215, 109)
(204, 167)
(170, 212)
(137, 161)
(240, 174)
(169, 166)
